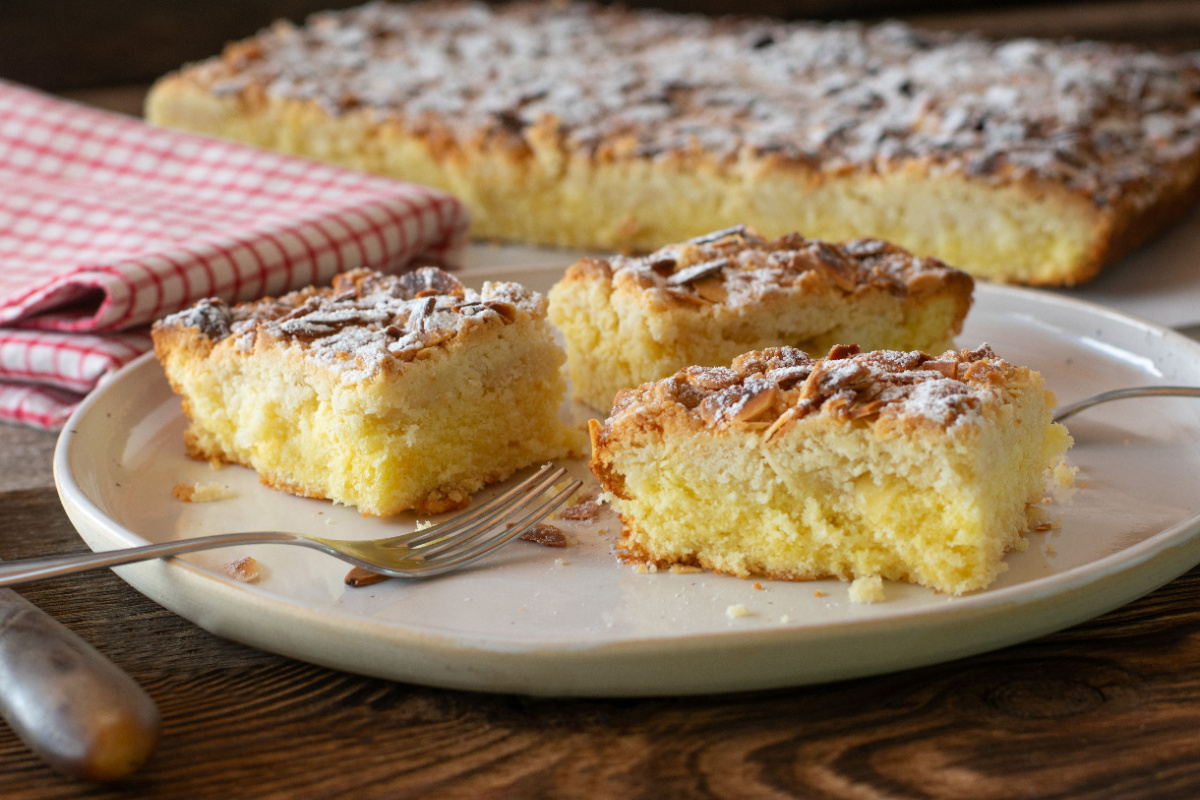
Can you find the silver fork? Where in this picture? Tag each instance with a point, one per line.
(420, 554)
(1072, 409)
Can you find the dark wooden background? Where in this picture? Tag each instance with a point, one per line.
(81, 44)
(1108, 709)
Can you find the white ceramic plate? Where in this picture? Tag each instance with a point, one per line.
(574, 621)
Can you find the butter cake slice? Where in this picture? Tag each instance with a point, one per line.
(627, 321)
(383, 392)
(887, 464)
(583, 125)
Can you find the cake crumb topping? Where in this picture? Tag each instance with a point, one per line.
(773, 387)
(738, 266)
(366, 321)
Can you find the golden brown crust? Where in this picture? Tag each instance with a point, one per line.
(365, 323)
(738, 266)
(770, 390)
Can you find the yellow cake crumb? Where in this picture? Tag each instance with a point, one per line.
(201, 492)
(1064, 474)
(737, 610)
(867, 590)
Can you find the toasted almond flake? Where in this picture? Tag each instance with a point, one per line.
(755, 404)
(712, 289)
(588, 509)
(358, 577)
(545, 535)
(696, 272)
(243, 569)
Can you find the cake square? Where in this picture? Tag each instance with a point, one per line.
(584, 125)
(382, 392)
(629, 320)
(886, 464)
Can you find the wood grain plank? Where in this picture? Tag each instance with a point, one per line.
(1105, 709)
(25, 458)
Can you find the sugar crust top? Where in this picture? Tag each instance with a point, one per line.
(1097, 118)
(367, 322)
(737, 267)
(767, 390)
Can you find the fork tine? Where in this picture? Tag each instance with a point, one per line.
(486, 514)
(462, 551)
(468, 534)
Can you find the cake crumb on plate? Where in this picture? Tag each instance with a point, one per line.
(201, 492)
(867, 590)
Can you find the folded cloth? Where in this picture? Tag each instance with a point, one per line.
(107, 223)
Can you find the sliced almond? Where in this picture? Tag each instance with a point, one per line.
(947, 367)
(711, 289)
(683, 298)
(506, 310)
(705, 269)
(779, 424)
(754, 404)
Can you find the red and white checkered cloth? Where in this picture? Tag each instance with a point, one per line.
(107, 223)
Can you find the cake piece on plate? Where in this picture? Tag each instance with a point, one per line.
(893, 464)
(383, 392)
(628, 320)
(591, 126)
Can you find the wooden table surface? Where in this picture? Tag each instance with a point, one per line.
(1110, 708)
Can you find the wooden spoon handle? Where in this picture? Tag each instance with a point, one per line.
(71, 705)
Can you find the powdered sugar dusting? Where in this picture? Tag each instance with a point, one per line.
(367, 321)
(1095, 117)
(779, 385)
(747, 267)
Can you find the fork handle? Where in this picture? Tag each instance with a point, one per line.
(13, 573)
